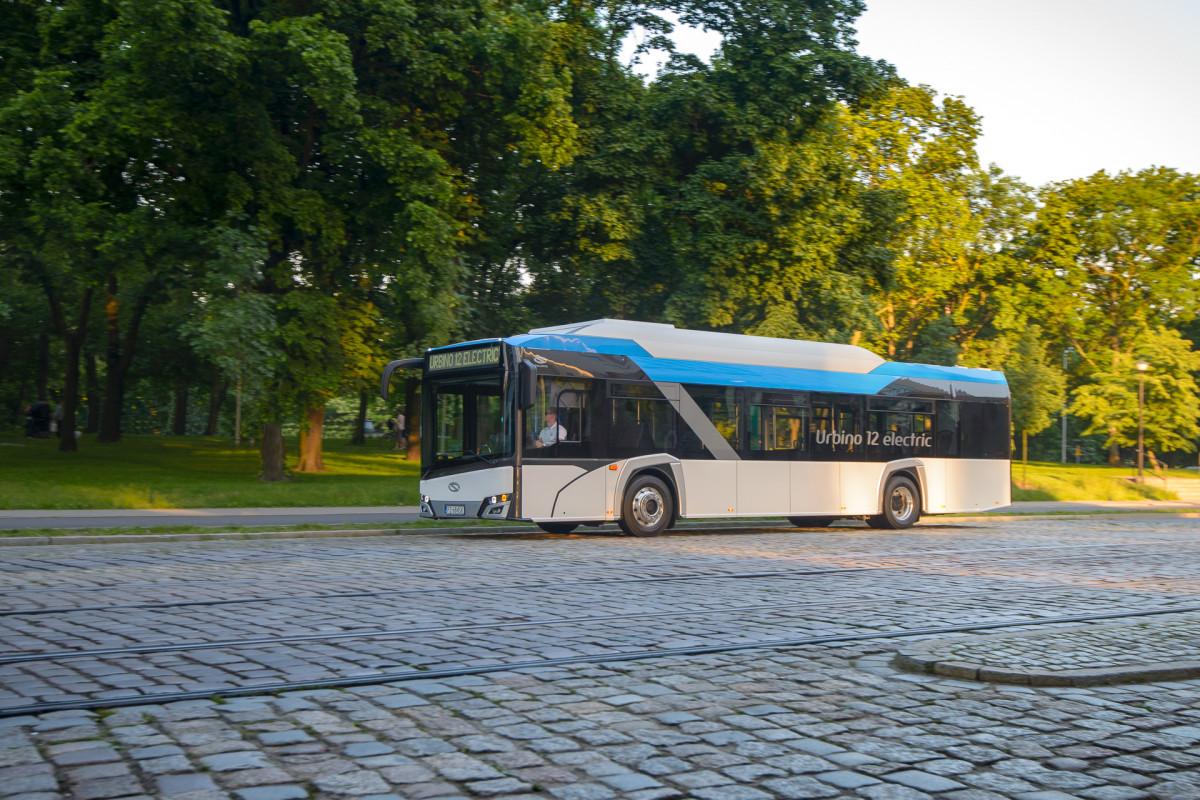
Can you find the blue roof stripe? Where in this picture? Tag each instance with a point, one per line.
(683, 371)
(578, 344)
(900, 369)
(676, 371)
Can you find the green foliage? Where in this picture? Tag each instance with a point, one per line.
(1037, 387)
(1126, 251)
(953, 222)
(291, 195)
(1171, 408)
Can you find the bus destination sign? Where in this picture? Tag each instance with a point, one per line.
(461, 359)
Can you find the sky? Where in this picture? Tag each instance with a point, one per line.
(1065, 87)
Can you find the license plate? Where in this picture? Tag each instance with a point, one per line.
(454, 511)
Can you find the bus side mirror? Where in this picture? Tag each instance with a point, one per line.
(385, 380)
(526, 385)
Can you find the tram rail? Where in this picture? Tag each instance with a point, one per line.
(157, 586)
(431, 648)
(374, 633)
(628, 655)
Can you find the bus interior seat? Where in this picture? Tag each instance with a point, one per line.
(631, 435)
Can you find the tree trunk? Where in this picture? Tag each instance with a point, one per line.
(412, 417)
(67, 442)
(73, 339)
(272, 454)
(1114, 450)
(1024, 458)
(179, 414)
(237, 416)
(119, 357)
(110, 417)
(43, 366)
(216, 397)
(93, 394)
(310, 441)
(360, 422)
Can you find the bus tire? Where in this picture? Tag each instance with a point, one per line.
(557, 527)
(901, 505)
(811, 522)
(646, 508)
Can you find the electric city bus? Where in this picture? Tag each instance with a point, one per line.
(642, 424)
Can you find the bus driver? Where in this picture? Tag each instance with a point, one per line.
(552, 433)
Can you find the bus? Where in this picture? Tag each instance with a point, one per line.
(643, 424)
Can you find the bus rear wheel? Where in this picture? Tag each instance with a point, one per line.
(901, 505)
(557, 527)
(811, 522)
(646, 508)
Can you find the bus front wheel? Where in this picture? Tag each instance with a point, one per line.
(646, 509)
(901, 505)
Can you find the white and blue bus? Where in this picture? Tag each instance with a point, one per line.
(642, 424)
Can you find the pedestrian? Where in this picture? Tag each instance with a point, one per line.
(40, 412)
(401, 430)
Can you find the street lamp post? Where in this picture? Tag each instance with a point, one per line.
(1142, 366)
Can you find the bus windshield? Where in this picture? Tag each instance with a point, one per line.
(469, 423)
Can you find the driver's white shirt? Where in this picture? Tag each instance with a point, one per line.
(549, 435)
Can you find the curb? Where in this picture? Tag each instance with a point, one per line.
(924, 658)
(119, 538)
(31, 541)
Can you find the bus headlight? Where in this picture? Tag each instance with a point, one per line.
(495, 507)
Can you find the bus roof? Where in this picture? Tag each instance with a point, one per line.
(661, 340)
(667, 353)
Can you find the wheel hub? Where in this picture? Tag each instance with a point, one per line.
(902, 503)
(647, 507)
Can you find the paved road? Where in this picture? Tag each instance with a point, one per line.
(796, 722)
(360, 515)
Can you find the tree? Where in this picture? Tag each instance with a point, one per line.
(1124, 251)
(1037, 387)
(954, 221)
(236, 331)
(1109, 399)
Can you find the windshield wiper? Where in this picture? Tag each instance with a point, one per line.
(480, 456)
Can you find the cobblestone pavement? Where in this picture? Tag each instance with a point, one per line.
(819, 723)
(1161, 648)
(813, 721)
(314, 610)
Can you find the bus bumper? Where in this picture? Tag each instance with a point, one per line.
(479, 494)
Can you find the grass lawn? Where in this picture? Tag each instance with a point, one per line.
(193, 472)
(1051, 481)
(200, 472)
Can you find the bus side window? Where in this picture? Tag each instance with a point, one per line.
(898, 434)
(848, 419)
(568, 401)
(946, 438)
(723, 406)
(641, 421)
(778, 424)
(985, 430)
(572, 414)
(836, 430)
